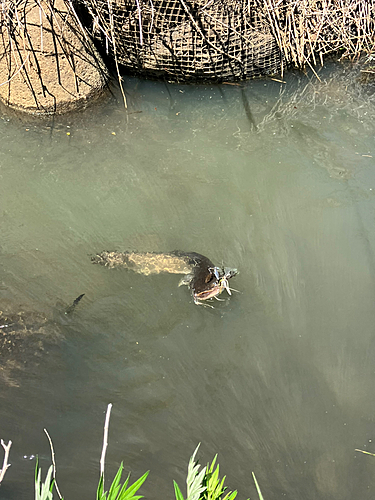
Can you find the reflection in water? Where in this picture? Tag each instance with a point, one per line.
(279, 379)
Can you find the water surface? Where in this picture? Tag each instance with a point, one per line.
(276, 179)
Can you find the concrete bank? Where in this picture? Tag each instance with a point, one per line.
(48, 64)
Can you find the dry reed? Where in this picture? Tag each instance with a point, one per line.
(309, 30)
(306, 31)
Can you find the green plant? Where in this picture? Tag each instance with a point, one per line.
(43, 491)
(206, 484)
(257, 487)
(194, 480)
(366, 452)
(214, 487)
(118, 492)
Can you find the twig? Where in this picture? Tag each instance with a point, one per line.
(365, 452)
(152, 16)
(41, 30)
(53, 463)
(140, 22)
(305, 29)
(105, 440)
(5, 462)
(196, 26)
(84, 31)
(14, 74)
(113, 40)
(313, 70)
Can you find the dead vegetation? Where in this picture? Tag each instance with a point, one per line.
(232, 40)
(47, 60)
(308, 30)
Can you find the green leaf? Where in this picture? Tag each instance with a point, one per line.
(230, 495)
(222, 487)
(128, 494)
(100, 493)
(214, 488)
(177, 491)
(36, 468)
(37, 484)
(46, 486)
(257, 487)
(212, 464)
(194, 479)
(43, 491)
(124, 486)
(115, 486)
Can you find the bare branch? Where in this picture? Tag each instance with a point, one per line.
(105, 440)
(113, 40)
(6, 456)
(140, 22)
(4, 83)
(53, 463)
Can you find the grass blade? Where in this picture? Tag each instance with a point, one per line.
(366, 452)
(128, 494)
(43, 491)
(115, 486)
(230, 495)
(100, 493)
(177, 491)
(257, 487)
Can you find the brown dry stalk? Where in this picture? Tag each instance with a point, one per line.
(113, 40)
(306, 28)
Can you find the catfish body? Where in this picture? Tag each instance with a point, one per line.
(204, 279)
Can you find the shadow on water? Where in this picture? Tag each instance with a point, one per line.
(274, 179)
(27, 334)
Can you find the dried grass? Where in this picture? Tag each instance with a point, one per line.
(308, 30)
(305, 31)
(183, 38)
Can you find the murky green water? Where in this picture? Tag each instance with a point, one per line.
(278, 380)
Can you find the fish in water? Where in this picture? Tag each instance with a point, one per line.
(205, 280)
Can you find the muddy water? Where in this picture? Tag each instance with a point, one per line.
(276, 179)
